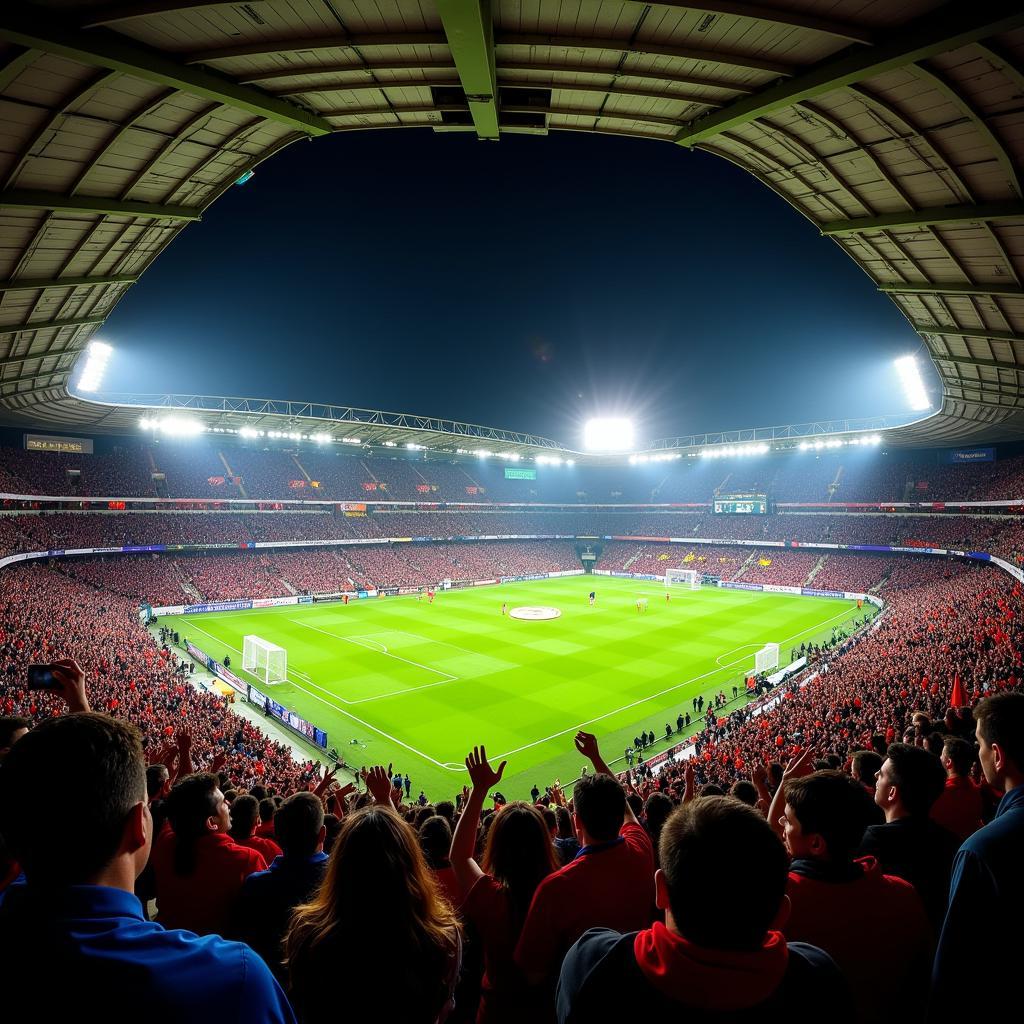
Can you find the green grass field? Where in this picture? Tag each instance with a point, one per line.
(419, 684)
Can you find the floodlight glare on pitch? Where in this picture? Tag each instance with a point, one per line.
(608, 434)
(97, 357)
(913, 386)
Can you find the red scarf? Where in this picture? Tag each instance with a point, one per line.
(710, 979)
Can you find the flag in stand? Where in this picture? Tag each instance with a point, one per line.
(958, 698)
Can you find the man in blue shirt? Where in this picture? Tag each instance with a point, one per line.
(986, 898)
(268, 898)
(73, 809)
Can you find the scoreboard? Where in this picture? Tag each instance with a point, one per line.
(741, 504)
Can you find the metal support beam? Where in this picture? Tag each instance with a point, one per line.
(952, 289)
(982, 333)
(27, 284)
(994, 364)
(940, 31)
(31, 199)
(978, 214)
(469, 26)
(52, 325)
(102, 48)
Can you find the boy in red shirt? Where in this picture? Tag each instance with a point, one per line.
(609, 884)
(873, 925)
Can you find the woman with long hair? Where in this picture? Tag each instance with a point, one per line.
(518, 856)
(379, 910)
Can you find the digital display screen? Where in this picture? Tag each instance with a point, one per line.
(520, 474)
(742, 505)
(45, 443)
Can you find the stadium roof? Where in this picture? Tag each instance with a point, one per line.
(897, 128)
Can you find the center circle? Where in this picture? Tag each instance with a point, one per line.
(535, 612)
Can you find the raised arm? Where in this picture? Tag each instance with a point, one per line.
(586, 744)
(483, 777)
(798, 766)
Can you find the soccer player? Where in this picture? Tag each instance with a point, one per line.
(593, 598)
(668, 597)
(430, 596)
(504, 608)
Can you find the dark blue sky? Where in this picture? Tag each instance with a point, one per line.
(525, 284)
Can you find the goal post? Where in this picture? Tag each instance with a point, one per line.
(266, 661)
(767, 658)
(688, 578)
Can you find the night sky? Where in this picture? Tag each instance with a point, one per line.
(526, 284)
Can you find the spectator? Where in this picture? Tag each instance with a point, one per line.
(566, 843)
(378, 888)
(245, 816)
(74, 934)
(873, 925)
(518, 856)
(721, 953)
(199, 868)
(268, 897)
(12, 729)
(609, 884)
(435, 836)
(268, 808)
(959, 806)
(987, 891)
(909, 844)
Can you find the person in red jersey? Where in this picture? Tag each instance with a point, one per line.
(721, 954)
(959, 806)
(609, 884)
(199, 868)
(245, 816)
(873, 925)
(518, 856)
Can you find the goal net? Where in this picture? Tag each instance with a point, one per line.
(266, 661)
(767, 658)
(686, 577)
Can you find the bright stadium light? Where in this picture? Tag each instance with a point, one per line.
(97, 356)
(608, 434)
(174, 426)
(913, 385)
(248, 432)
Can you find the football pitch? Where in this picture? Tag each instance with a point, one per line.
(399, 680)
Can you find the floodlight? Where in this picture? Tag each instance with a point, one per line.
(248, 432)
(177, 426)
(913, 385)
(321, 438)
(608, 434)
(97, 355)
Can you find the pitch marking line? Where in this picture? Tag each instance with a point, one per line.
(348, 714)
(355, 640)
(660, 693)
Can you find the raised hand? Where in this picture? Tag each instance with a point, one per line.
(801, 765)
(482, 775)
(217, 763)
(69, 674)
(586, 744)
(378, 782)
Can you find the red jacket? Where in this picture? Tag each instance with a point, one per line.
(959, 808)
(873, 925)
(202, 901)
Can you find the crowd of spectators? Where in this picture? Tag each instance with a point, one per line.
(205, 470)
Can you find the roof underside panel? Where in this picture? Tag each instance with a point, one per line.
(899, 132)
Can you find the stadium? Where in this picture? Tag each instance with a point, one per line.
(509, 726)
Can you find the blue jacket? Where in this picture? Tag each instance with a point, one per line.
(986, 906)
(87, 952)
(265, 904)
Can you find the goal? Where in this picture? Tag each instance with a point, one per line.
(266, 661)
(767, 658)
(689, 578)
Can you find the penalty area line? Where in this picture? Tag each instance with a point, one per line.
(447, 765)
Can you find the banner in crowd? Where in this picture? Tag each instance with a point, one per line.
(740, 585)
(273, 602)
(218, 606)
(215, 667)
(298, 725)
(958, 455)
